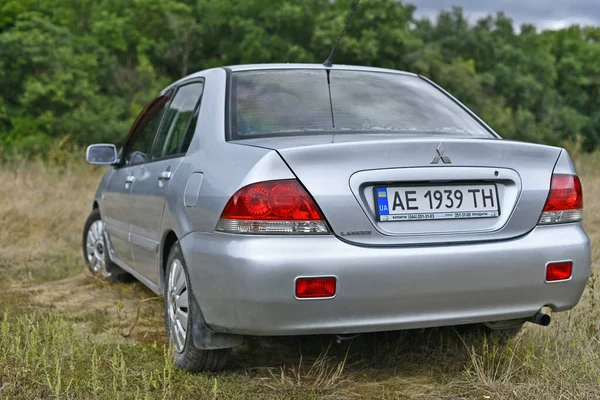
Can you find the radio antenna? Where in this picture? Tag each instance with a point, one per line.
(329, 62)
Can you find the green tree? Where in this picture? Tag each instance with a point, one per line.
(82, 69)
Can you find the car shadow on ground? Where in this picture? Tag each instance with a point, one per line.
(409, 352)
(405, 352)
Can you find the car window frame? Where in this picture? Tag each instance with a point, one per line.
(195, 114)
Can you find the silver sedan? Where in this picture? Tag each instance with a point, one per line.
(304, 199)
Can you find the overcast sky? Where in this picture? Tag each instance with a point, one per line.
(545, 14)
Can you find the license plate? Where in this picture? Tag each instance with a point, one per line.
(415, 203)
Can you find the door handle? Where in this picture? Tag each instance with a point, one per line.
(130, 179)
(165, 176)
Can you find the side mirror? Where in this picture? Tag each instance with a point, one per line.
(101, 154)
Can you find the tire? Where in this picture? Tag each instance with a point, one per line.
(95, 255)
(179, 304)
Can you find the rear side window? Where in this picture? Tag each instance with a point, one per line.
(187, 138)
(176, 125)
(297, 102)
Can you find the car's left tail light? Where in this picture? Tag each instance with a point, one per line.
(316, 288)
(565, 200)
(272, 207)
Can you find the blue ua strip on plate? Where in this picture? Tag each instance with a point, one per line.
(382, 201)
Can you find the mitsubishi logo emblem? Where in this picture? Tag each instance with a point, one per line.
(440, 156)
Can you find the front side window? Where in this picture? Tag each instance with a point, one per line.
(297, 102)
(176, 124)
(138, 149)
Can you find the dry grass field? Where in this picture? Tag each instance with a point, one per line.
(64, 334)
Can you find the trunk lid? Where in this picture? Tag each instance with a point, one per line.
(342, 173)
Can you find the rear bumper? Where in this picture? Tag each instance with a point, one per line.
(245, 284)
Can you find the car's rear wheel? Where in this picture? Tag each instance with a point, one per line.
(503, 331)
(95, 251)
(179, 320)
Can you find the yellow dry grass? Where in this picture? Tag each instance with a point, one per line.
(41, 213)
(66, 335)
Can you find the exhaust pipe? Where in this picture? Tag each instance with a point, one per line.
(541, 318)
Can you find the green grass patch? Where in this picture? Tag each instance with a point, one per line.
(44, 356)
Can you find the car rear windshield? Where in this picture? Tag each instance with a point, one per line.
(300, 102)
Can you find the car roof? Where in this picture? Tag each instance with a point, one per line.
(282, 66)
(266, 67)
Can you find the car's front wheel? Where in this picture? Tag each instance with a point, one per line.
(95, 251)
(179, 320)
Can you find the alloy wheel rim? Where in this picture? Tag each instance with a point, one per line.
(95, 249)
(178, 305)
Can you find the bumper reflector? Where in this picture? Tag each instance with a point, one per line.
(315, 288)
(559, 271)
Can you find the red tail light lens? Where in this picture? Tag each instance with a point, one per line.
(565, 194)
(565, 200)
(559, 271)
(273, 200)
(272, 207)
(315, 288)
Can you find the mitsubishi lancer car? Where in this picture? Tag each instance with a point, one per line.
(301, 199)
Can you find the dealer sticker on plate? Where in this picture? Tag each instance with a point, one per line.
(414, 203)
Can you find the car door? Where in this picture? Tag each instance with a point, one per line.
(152, 179)
(116, 204)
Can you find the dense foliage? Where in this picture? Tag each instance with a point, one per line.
(78, 71)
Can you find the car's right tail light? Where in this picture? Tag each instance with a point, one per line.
(272, 207)
(565, 200)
